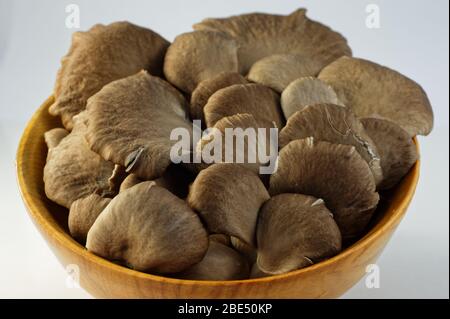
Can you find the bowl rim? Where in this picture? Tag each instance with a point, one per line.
(64, 239)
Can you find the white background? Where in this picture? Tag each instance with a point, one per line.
(413, 38)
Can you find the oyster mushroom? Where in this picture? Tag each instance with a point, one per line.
(129, 182)
(150, 230)
(247, 153)
(72, 170)
(220, 238)
(397, 150)
(54, 136)
(197, 56)
(372, 90)
(295, 231)
(254, 99)
(259, 35)
(334, 124)
(279, 70)
(255, 272)
(130, 123)
(83, 213)
(304, 92)
(334, 172)
(208, 87)
(228, 198)
(220, 263)
(99, 56)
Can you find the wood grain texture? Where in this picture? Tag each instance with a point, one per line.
(104, 279)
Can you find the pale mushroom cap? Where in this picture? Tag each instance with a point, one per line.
(83, 213)
(129, 182)
(220, 263)
(54, 136)
(260, 35)
(279, 70)
(336, 173)
(255, 99)
(372, 90)
(397, 150)
(294, 231)
(255, 272)
(130, 122)
(334, 124)
(150, 230)
(96, 57)
(197, 56)
(306, 91)
(228, 198)
(247, 153)
(73, 171)
(208, 87)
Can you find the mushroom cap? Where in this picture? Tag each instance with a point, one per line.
(306, 91)
(255, 272)
(372, 90)
(279, 70)
(260, 35)
(334, 124)
(220, 238)
(293, 232)
(149, 229)
(220, 263)
(73, 171)
(197, 56)
(228, 198)
(255, 99)
(249, 153)
(130, 122)
(129, 182)
(334, 172)
(54, 136)
(99, 56)
(208, 87)
(83, 213)
(397, 150)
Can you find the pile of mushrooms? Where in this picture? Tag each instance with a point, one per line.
(346, 128)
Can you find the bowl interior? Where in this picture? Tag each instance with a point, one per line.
(31, 157)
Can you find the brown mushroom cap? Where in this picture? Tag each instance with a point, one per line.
(254, 99)
(54, 136)
(334, 124)
(83, 213)
(197, 56)
(397, 150)
(129, 182)
(149, 229)
(228, 198)
(220, 238)
(279, 70)
(250, 156)
(255, 272)
(372, 90)
(72, 170)
(334, 172)
(304, 92)
(208, 87)
(293, 232)
(130, 121)
(260, 35)
(220, 263)
(99, 56)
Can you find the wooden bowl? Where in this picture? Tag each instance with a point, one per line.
(101, 278)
